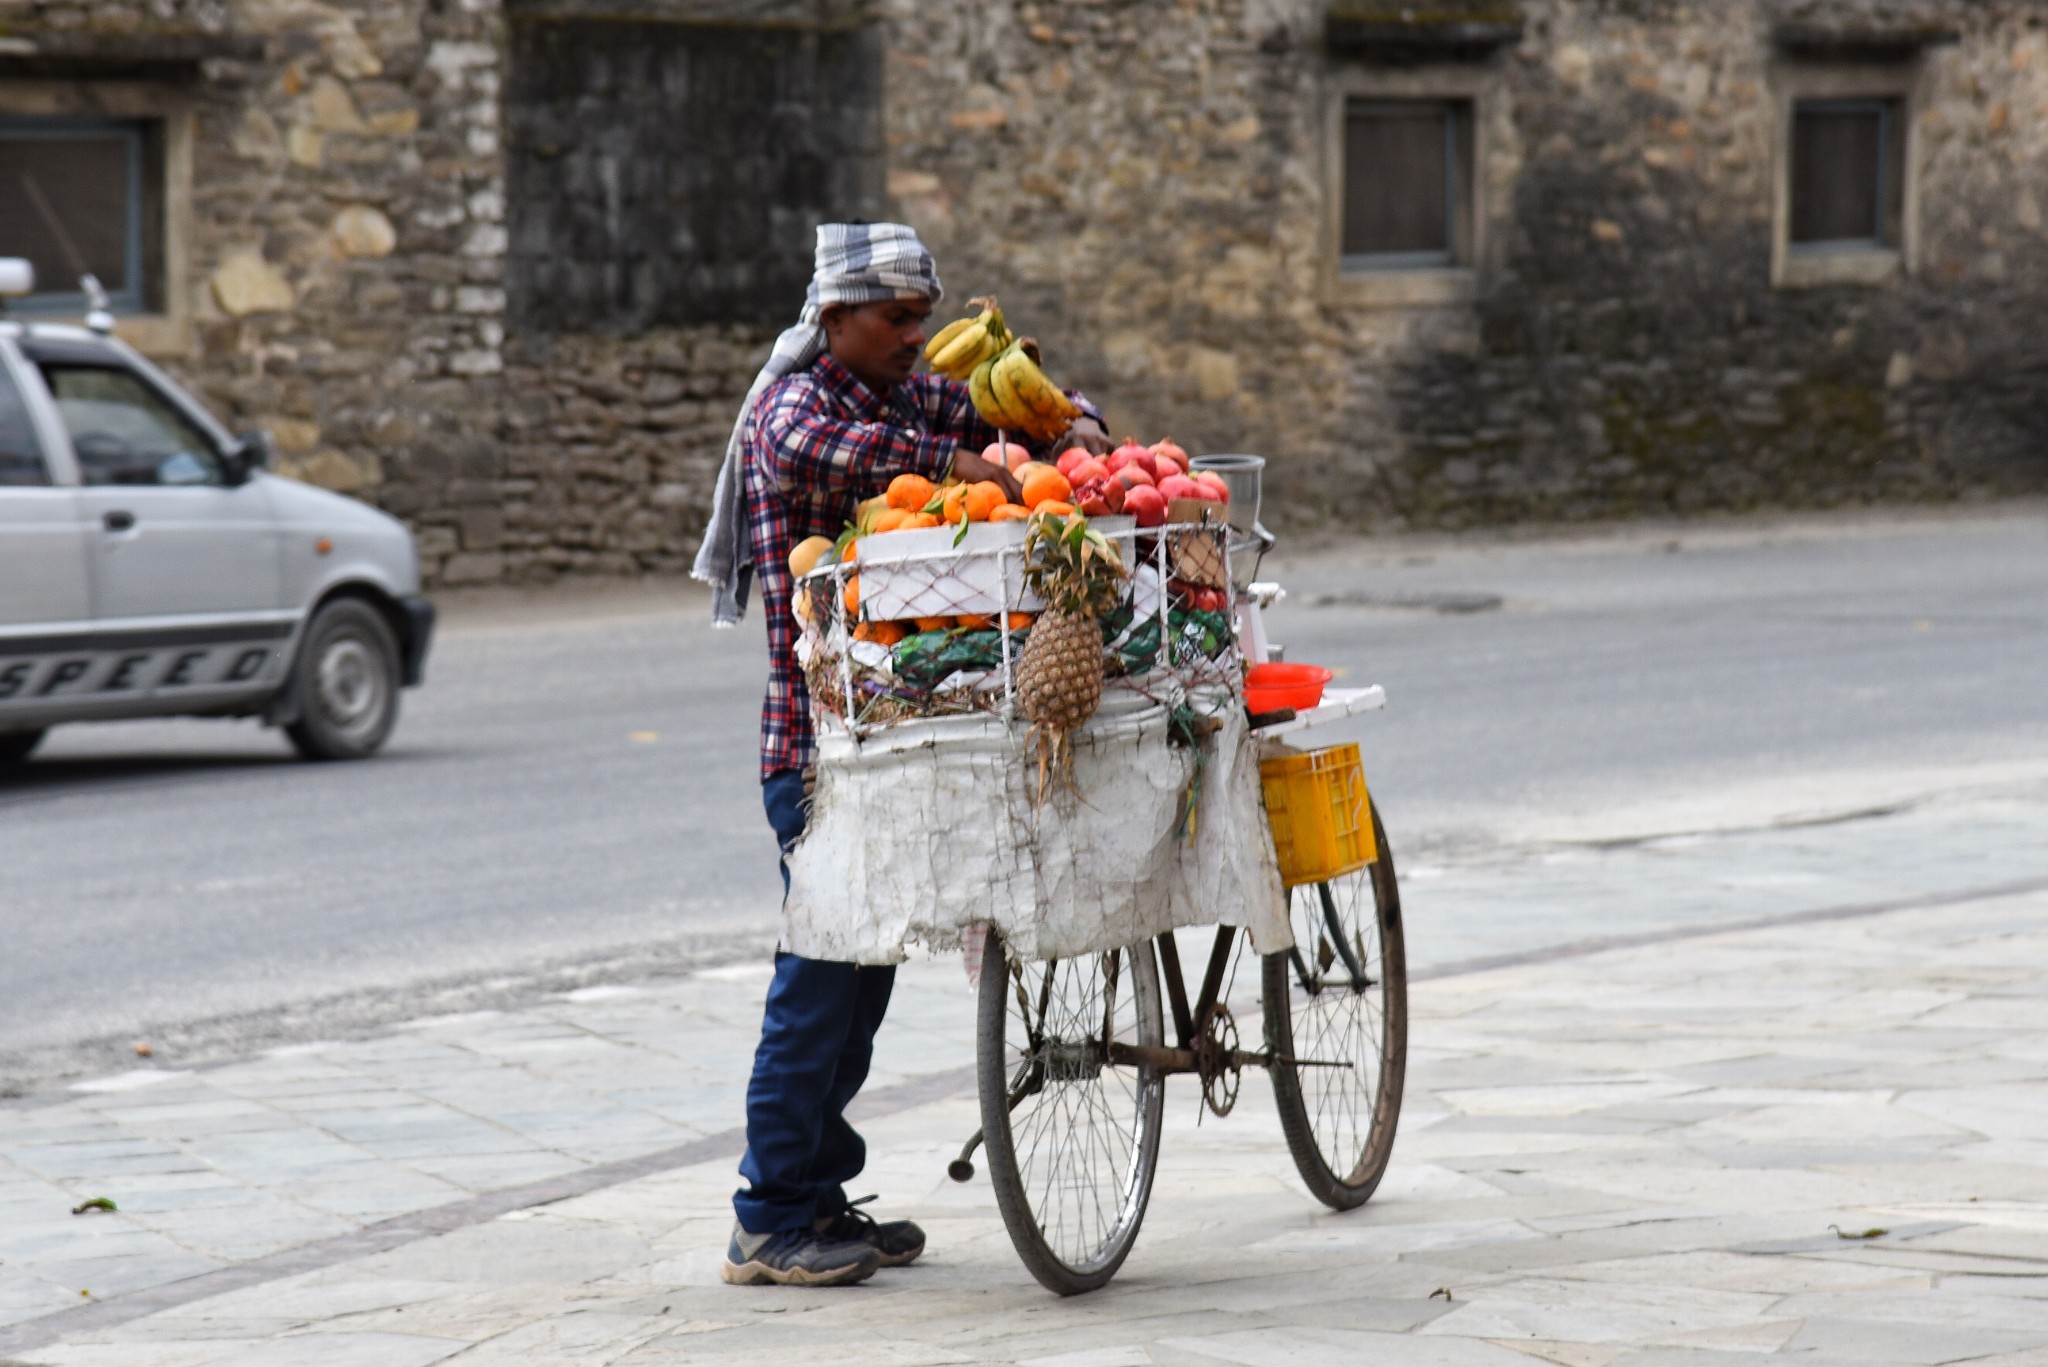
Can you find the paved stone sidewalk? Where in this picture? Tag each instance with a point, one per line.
(1632, 1158)
(319, 1148)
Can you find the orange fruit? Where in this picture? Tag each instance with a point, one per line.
(976, 621)
(852, 594)
(1046, 484)
(881, 633)
(915, 521)
(934, 624)
(1019, 620)
(953, 504)
(909, 492)
(983, 499)
(1009, 512)
(888, 520)
(1057, 506)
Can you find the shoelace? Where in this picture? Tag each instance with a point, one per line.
(859, 1217)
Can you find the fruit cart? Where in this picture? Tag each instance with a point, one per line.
(1063, 868)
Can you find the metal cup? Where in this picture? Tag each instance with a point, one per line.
(1242, 474)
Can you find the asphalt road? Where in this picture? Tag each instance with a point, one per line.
(572, 797)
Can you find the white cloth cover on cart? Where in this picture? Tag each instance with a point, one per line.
(930, 827)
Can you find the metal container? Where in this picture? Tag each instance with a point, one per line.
(1242, 474)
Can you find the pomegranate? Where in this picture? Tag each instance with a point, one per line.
(1170, 449)
(1069, 458)
(1100, 497)
(1133, 475)
(1180, 486)
(1146, 504)
(1086, 470)
(1216, 482)
(1124, 458)
(1131, 447)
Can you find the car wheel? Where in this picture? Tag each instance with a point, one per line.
(347, 681)
(16, 746)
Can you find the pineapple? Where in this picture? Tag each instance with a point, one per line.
(1079, 574)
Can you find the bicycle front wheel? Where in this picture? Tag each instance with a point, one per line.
(1337, 1020)
(1072, 1131)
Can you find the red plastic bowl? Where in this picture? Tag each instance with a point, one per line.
(1270, 687)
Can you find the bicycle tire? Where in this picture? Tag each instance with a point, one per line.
(1341, 1159)
(1055, 1143)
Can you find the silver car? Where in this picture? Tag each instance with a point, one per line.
(150, 567)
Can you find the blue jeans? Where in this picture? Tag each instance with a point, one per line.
(817, 1037)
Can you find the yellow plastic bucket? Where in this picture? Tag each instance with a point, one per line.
(1321, 814)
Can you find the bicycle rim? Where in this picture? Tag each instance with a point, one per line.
(1072, 1139)
(1337, 1006)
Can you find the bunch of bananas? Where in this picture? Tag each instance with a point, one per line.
(1014, 395)
(959, 347)
(1002, 374)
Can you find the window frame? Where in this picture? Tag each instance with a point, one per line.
(15, 377)
(133, 294)
(1384, 280)
(211, 452)
(1457, 191)
(1896, 86)
(165, 327)
(1881, 208)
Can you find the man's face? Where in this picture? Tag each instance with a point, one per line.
(880, 343)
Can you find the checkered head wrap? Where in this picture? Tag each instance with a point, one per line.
(857, 263)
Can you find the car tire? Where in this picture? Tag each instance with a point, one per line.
(347, 679)
(17, 746)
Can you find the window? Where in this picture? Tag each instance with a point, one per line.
(671, 173)
(124, 432)
(1847, 175)
(79, 197)
(21, 457)
(1407, 184)
(1845, 194)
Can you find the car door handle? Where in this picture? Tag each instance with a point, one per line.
(119, 520)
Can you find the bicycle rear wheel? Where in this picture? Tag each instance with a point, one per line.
(1337, 1018)
(1073, 1138)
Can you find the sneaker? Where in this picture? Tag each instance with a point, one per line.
(796, 1257)
(897, 1241)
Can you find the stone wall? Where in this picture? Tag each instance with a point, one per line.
(1144, 184)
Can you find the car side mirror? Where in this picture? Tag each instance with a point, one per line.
(251, 452)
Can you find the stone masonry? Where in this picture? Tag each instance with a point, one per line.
(1145, 183)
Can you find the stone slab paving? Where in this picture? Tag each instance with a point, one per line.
(1632, 1157)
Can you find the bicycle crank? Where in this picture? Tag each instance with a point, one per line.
(1217, 1059)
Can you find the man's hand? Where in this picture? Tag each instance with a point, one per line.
(1087, 434)
(973, 469)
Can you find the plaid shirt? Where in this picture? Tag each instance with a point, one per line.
(817, 443)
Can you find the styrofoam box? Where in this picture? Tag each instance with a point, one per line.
(923, 574)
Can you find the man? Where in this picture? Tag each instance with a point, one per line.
(833, 417)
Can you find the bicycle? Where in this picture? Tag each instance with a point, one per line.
(1072, 1059)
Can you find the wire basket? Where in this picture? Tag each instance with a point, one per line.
(932, 623)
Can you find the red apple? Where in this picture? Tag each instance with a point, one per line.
(1216, 482)
(1068, 459)
(1007, 454)
(1146, 504)
(1133, 475)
